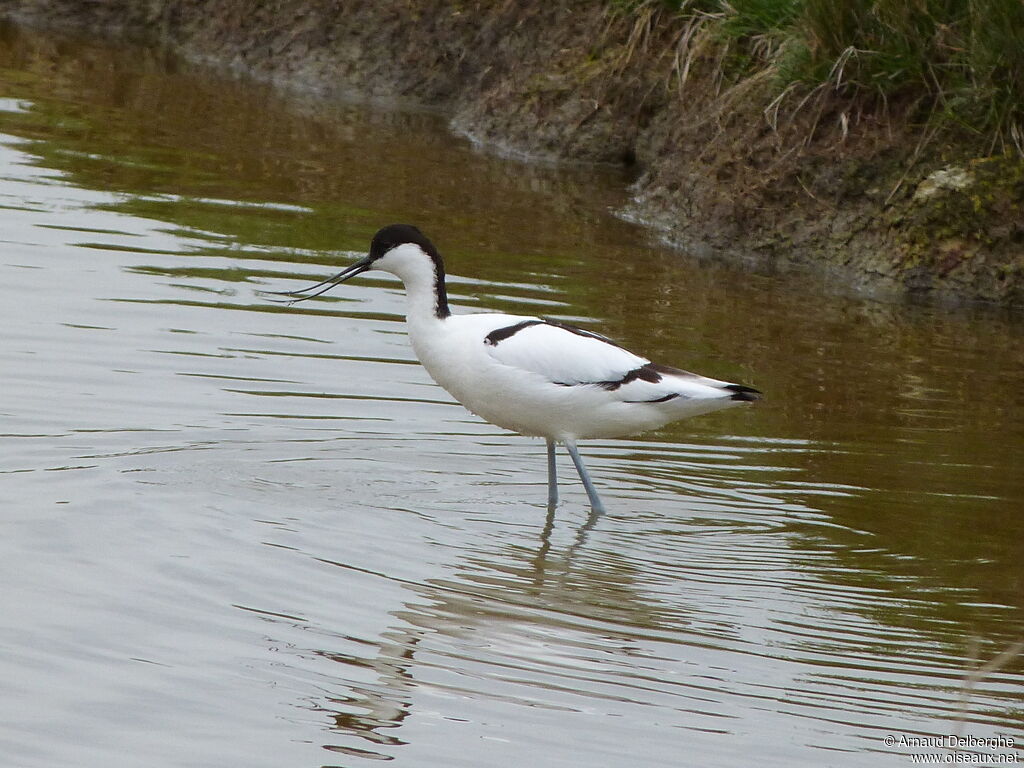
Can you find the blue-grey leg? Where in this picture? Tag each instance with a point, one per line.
(552, 475)
(595, 500)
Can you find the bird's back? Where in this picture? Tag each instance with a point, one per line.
(540, 377)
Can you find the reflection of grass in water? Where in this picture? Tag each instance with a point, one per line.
(979, 673)
(103, 148)
(264, 226)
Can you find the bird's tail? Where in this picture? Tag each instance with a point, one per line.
(743, 393)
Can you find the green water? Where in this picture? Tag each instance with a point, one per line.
(241, 533)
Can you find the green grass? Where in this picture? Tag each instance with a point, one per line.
(943, 64)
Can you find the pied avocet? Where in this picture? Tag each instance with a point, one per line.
(531, 375)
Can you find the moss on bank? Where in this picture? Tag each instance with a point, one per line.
(963, 217)
(741, 152)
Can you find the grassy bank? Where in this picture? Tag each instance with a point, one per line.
(947, 67)
(879, 143)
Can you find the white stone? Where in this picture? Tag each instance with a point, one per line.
(951, 177)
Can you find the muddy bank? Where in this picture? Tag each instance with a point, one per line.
(727, 175)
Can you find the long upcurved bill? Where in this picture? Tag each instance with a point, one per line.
(324, 285)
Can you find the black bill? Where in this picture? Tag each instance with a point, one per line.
(324, 285)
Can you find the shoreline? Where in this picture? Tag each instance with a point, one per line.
(720, 177)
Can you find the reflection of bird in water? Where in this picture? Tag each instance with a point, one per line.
(530, 375)
(371, 709)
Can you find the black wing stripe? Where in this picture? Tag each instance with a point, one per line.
(579, 331)
(664, 399)
(645, 372)
(500, 334)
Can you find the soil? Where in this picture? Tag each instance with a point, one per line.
(721, 172)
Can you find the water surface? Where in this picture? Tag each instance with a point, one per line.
(241, 533)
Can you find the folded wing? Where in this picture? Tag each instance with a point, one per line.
(560, 353)
(571, 357)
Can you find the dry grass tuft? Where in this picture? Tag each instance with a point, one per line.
(939, 66)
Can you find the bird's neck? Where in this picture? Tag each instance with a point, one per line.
(426, 291)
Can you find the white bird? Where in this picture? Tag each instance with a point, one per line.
(528, 374)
